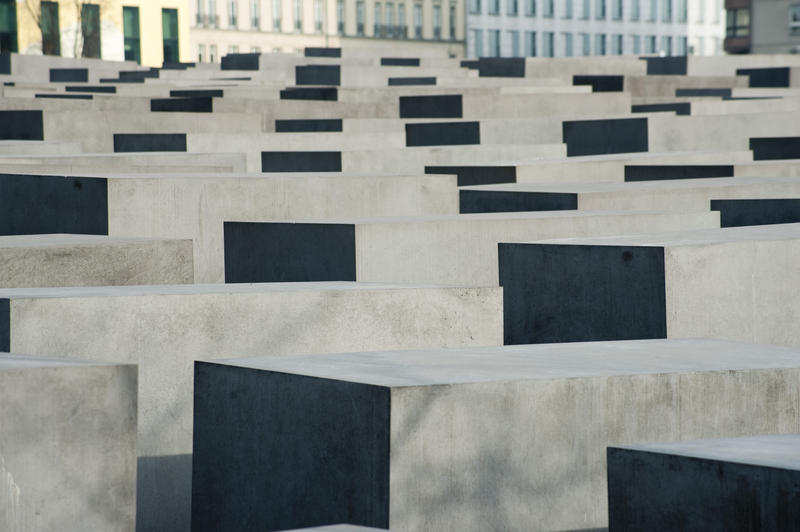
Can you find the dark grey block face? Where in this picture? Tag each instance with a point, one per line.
(597, 137)
(5, 63)
(135, 142)
(80, 88)
(40, 204)
(276, 451)
(741, 212)
(667, 66)
(438, 106)
(766, 77)
(176, 66)
(400, 61)
(501, 67)
(263, 252)
(21, 125)
(654, 172)
(5, 325)
(317, 75)
(119, 80)
(471, 64)
(601, 83)
(196, 93)
(240, 62)
(64, 96)
(572, 293)
(771, 148)
(323, 52)
(471, 201)
(710, 92)
(393, 82)
(330, 94)
(658, 491)
(680, 108)
(138, 75)
(301, 161)
(69, 74)
(196, 104)
(477, 175)
(309, 125)
(443, 134)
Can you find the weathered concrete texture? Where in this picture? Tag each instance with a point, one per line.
(67, 445)
(750, 483)
(165, 328)
(459, 249)
(89, 260)
(738, 283)
(508, 438)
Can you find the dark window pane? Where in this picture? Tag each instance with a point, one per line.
(130, 27)
(169, 23)
(90, 28)
(51, 34)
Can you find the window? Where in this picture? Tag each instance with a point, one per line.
(530, 43)
(635, 10)
(717, 10)
(255, 49)
(682, 11)
(651, 16)
(318, 16)
(650, 44)
(616, 10)
(513, 37)
(600, 44)
(298, 15)
(568, 51)
(666, 45)
(418, 21)
(567, 8)
(8, 26)
(90, 30)
(701, 11)
(636, 44)
(586, 44)
(680, 46)
(360, 18)
(340, 16)
(547, 44)
(376, 23)
(401, 20)
(585, 9)
(452, 22)
(390, 29)
(477, 40)
(616, 44)
(511, 7)
(130, 31)
(600, 10)
(233, 49)
(666, 15)
(212, 53)
(276, 15)
(701, 46)
(547, 8)
(794, 19)
(213, 21)
(200, 19)
(437, 22)
(255, 14)
(51, 34)
(233, 12)
(494, 7)
(201, 51)
(494, 43)
(739, 23)
(530, 8)
(169, 28)
(475, 6)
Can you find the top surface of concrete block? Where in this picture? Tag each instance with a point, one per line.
(529, 362)
(780, 451)
(12, 361)
(65, 239)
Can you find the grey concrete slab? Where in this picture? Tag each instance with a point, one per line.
(68, 445)
(165, 328)
(505, 438)
(718, 484)
(93, 260)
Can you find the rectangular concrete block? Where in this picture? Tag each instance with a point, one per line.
(322, 52)
(737, 283)
(767, 148)
(329, 94)
(139, 142)
(164, 329)
(477, 175)
(301, 161)
(435, 106)
(667, 66)
(400, 61)
(651, 172)
(318, 75)
(21, 125)
(747, 483)
(425, 80)
(196, 93)
(194, 104)
(69, 74)
(65, 96)
(680, 108)
(105, 89)
(767, 77)
(601, 83)
(68, 458)
(740, 212)
(443, 133)
(502, 438)
(240, 62)
(475, 201)
(703, 93)
(505, 67)
(595, 137)
(88, 260)
(308, 125)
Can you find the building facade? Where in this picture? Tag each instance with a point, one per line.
(220, 27)
(564, 28)
(147, 31)
(764, 27)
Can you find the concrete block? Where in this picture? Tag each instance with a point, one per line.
(680, 108)
(301, 161)
(737, 283)
(740, 212)
(652, 172)
(606, 83)
(432, 249)
(501, 438)
(106, 89)
(505, 67)
(429, 80)
(309, 125)
(21, 125)
(322, 52)
(400, 61)
(767, 77)
(195, 104)
(164, 329)
(766, 148)
(703, 92)
(317, 75)
(443, 133)
(592, 137)
(88, 260)
(68, 447)
(136, 142)
(748, 483)
(475, 201)
(69, 74)
(310, 93)
(477, 175)
(240, 62)
(65, 96)
(196, 93)
(667, 66)
(437, 106)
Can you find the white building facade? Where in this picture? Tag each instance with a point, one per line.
(565, 28)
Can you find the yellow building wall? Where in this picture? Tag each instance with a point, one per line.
(151, 30)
